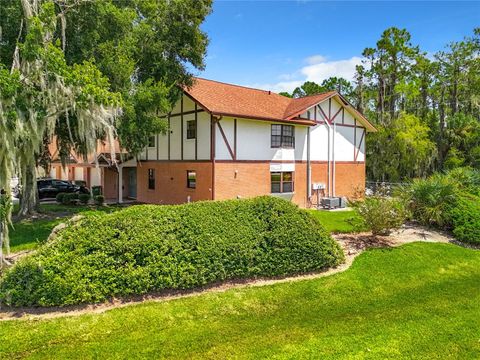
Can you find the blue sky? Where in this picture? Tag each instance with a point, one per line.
(277, 45)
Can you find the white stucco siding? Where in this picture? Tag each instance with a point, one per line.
(78, 175)
(344, 143)
(96, 177)
(319, 143)
(188, 144)
(221, 149)
(175, 138)
(203, 136)
(361, 144)
(348, 119)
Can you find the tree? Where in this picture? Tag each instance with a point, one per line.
(43, 91)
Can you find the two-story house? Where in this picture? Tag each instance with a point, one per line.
(227, 141)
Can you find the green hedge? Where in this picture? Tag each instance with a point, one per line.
(464, 217)
(150, 248)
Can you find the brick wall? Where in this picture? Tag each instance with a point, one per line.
(171, 182)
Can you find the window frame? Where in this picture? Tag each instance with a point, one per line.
(282, 182)
(189, 135)
(279, 140)
(151, 179)
(154, 141)
(189, 184)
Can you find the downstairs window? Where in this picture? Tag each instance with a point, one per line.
(281, 182)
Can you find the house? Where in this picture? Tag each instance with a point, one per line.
(227, 141)
(95, 170)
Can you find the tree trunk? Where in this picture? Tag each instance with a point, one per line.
(29, 198)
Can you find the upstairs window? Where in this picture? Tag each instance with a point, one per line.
(151, 179)
(191, 129)
(281, 182)
(151, 141)
(191, 179)
(283, 136)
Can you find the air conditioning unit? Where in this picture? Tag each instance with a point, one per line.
(330, 202)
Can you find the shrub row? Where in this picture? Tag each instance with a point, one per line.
(150, 248)
(70, 198)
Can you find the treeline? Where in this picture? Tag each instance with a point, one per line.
(426, 107)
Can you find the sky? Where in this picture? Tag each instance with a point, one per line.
(278, 45)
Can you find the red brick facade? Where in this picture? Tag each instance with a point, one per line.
(242, 179)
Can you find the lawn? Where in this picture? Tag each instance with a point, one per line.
(335, 221)
(418, 301)
(27, 234)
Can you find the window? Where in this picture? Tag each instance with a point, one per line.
(151, 179)
(283, 136)
(191, 129)
(281, 182)
(151, 141)
(191, 179)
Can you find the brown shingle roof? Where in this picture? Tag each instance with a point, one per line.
(220, 98)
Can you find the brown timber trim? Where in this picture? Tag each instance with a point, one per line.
(196, 131)
(285, 162)
(181, 128)
(338, 112)
(323, 113)
(212, 152)
(188, 112)
(354, 138)
(359, 145)
(175, 161)
(235, 139)
(225, 140)
(343, 115)
(169, 137)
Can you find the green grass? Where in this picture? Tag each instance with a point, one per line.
(418, 301)
(335, 221)
(28, 234)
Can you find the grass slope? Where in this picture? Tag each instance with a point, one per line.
(419, 301)
(335, 221)
(27, 234)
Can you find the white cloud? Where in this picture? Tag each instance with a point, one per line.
(315, 59)
(317, 70)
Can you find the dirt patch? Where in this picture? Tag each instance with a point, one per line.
(353, 245)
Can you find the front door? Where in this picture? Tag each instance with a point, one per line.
(132, 183)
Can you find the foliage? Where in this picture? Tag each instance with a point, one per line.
(152, 248)
(84, 198)
(69, 198)
(428, 199)
(384, 302)
(380, 214)
(99, 199)
(59, 197)
(464, 217)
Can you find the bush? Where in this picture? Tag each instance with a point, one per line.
(464, 218)
(84, 198)
(59, 197)
(380, 214)
(69, 198)
(150, 248)
(99, 199)
(427, 199)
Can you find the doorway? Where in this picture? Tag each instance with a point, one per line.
(132, 183)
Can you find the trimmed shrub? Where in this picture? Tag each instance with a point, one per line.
(464, 218)
(84, 198)
(99, 199)
(150, 248)
(69, 198)
(380, 214)
(59, 197)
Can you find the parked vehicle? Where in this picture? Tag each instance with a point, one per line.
(49, 188)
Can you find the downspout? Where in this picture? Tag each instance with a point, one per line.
(333, 158)
(328, 158)
(309, 176)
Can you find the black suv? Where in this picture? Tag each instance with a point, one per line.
(49, 188)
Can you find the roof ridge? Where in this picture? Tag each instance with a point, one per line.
(321, 93)
(240, 86)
